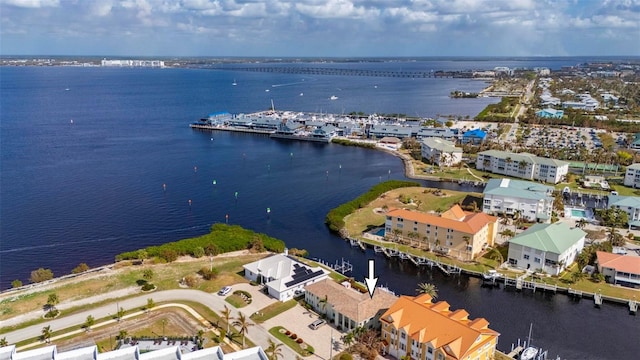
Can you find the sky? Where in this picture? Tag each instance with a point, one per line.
(320, 28)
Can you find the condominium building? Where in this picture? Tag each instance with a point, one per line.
(632, 176)
(456, 232)
(533, 201)
(522, 165)
(630, 204)
(440, 151)
(416, 328)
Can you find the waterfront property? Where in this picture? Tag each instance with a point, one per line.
(632, 176)
(475, 136)
(506, 196)
(455, 232)
(547, 247)
(282, 275)
(619, 269)
(441, 152)
(347, 308)
(135, 352)
(416, 327)
(630, 204)
(550, 113)
(522, 165)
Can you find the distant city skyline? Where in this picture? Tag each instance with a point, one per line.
(320, 28)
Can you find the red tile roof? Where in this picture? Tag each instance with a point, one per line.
(622, 263)
(469, 223)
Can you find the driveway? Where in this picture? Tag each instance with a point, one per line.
(259, 300)
(297, 320)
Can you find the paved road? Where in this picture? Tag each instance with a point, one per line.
(258, 334)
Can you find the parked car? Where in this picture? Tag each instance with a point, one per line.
(316, 324)
(224, 291)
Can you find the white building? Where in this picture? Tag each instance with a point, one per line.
(283, 275)
(547, 247)
(630, 204)
(632, 176)
(534, 201)
(441, 151)
(128, 352)
(522, 165)
(133, 63)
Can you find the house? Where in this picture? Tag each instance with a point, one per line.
(282, 275)
(506, 196)
(440, 151)
(550, 113)
(391, 142)
(635, 144)
(632, 176)
(547, 247)
(619, 269)
(415, 327)
(456, 232)
(475, 136)
(630, 204)
(522, 165)
(346, 307)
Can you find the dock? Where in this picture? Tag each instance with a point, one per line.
(358, 243)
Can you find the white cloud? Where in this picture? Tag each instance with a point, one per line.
(32, 3)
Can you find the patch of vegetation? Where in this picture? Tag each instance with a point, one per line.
(223, 238)
(272, 310)
(303, 349)
(346, 142)
(335, 217)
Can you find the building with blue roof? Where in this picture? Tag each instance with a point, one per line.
(475, 136)
(550, 113)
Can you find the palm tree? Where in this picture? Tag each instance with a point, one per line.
(274, 350)
(150, 303)
(89, 322)
(244, 325)
(52, 301)
(4, 342)
(226, 313)
(323, 303)
(495, 254)
(581, 223)
(349, 339)
(46, 333)
(122, 335)
(426, 288)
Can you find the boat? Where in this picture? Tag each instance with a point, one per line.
(333, 97)
(529, 353)
(491, 275)
(234, 83)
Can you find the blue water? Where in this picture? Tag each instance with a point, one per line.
(578, 213)
(380, 232)
(86, 191)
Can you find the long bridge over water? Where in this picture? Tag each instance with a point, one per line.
(354, 72)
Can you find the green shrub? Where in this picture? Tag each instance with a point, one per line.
(198, 252)
(148, 286)
(346, 356)
(223, 238)
(335, 217)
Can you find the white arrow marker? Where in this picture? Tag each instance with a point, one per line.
(371, 280)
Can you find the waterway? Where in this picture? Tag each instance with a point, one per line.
(86, 190)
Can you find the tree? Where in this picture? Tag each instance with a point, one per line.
(4, 342)
(274, 350)
(82, 267)
(41, 275)
(16, 283)
(495, 254)
(120, 314)
(323, 302)
(426, 288)
(122, 335)
(89, 322)
(200, 338)
(615, 238)
(150, 303)
(349, 340)
(52, 301)
(581, 223)
(226, 313)
(46, 333)
(148, 274)
(244, 325)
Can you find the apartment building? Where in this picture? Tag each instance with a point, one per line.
(522, 165)
(534, 201)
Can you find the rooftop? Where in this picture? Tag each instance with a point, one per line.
(518, 189)
(454, 218)
(441, 144)
(622, 263)
(555, 238)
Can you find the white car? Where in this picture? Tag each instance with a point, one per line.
(224, 291)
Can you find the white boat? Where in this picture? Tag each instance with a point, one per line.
(529, 353)
(491, 275)
(234, 83)
(333, 97)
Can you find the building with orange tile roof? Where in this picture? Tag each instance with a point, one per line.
(619, 269)
(456, 232)
(417, 327)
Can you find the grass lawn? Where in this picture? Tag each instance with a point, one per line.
(235, 300)
(308, 350)
(272, 310)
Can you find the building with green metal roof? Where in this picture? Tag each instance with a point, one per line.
(630, 204)
(547, 247)
(533, 201)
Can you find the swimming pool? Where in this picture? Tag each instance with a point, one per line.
(380, 232)
(578, 213)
